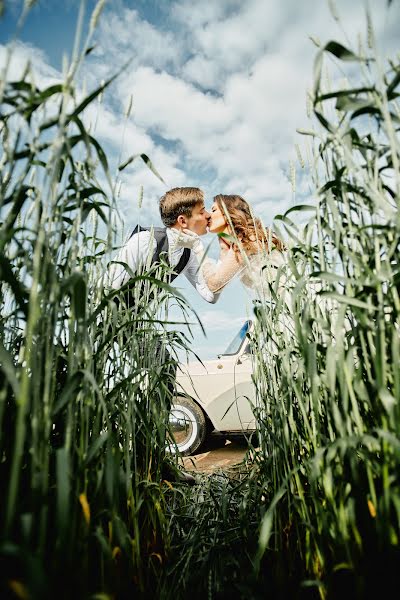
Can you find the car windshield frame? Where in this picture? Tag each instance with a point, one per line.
(238, 340)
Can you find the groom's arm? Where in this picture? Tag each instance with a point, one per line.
(136, 253)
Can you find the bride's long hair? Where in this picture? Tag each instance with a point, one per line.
(247, 228)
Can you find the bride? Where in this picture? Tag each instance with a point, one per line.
(247, 249)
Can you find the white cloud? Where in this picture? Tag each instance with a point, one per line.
(240, 38)
(244, 133)
(202, 71)
(198, 15)
(124, 35)
(173, 108)
(22, 56)
(122, 133)
(218, 90)
(232, 134)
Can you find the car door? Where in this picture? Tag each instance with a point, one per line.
(233, 393)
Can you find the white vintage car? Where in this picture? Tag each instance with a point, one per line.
(214, 396)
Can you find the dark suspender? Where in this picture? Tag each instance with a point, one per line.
(183, 261)
(160, 235)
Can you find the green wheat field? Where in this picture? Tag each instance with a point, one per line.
(85, 511)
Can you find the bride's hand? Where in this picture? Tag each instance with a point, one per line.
(224, 245)
(189, 239)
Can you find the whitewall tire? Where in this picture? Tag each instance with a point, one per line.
(187, 425)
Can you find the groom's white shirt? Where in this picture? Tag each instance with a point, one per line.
(138, 252)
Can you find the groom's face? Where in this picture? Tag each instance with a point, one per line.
(198, 222)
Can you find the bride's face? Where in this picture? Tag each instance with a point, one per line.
(218, 223)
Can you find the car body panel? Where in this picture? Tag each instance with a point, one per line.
(223, 388)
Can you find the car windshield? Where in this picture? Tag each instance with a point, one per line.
(235, 344)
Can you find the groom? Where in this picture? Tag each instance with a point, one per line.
(180, 208)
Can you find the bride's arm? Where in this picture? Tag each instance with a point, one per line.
(216, 274)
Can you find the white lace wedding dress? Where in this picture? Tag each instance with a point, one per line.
(256, 272)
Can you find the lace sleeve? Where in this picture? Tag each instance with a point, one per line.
(218, 275)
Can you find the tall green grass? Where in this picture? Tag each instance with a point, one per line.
(318, 515)
(327, 355)
(85, 380)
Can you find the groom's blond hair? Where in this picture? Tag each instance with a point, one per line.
(179, 201)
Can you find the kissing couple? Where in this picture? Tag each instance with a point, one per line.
(247, 249)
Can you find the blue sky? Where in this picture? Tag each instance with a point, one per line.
(218, 89)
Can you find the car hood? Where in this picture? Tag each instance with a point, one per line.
(194, 368)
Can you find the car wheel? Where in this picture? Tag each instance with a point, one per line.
(187, 424)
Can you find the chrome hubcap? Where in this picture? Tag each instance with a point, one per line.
(181, 426)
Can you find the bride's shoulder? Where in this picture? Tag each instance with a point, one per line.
(229, 253)
(274, 258)
(277, 257)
